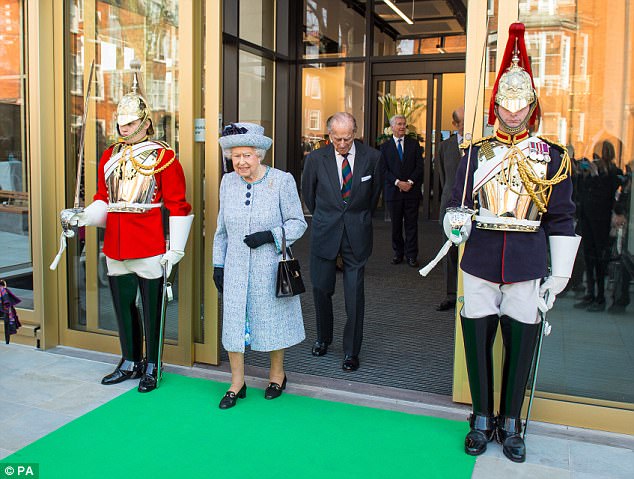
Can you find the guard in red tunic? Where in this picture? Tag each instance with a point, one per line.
(138, 176)
(520, 189)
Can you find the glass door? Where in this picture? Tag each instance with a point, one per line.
(415, 98)
(121, 40)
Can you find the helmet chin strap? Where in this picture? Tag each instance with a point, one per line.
(519, 128)
(135, 132)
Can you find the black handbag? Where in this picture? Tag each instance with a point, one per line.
(289, 277)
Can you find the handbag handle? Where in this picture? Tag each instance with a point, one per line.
(285, 250)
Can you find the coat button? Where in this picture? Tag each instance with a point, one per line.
(248, 187)
(248, 195)
(247, 202)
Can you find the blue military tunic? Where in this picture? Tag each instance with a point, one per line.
(249, 301)
(513, 256)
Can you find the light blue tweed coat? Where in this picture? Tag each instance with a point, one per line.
(250, 274)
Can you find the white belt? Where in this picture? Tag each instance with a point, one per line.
(124, 207)
(506, 223)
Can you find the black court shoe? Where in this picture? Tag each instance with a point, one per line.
(274, 390)
(230, 398)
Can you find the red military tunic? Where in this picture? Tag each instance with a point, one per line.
(141, 235)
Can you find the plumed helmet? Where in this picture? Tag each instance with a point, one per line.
(134, 107)
(514, 88)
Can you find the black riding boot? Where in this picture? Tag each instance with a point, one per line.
(479, 334)
(519, 346)
(123, 289)
(151, 297)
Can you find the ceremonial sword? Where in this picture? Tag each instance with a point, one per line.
(66, 215)
(458, 216)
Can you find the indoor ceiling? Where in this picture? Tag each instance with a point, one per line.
(430, 17)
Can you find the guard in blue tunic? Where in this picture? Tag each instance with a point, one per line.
(520, 189)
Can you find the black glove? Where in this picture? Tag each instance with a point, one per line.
(256, 240)
(219, 278)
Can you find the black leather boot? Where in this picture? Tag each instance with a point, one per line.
(479, 334)
(123, 289)
(151, 297)
(125, 370)
(520, 340)
(149, 380)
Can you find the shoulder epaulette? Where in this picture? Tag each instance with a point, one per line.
(162, 143)
(553, 143)
(465, 144)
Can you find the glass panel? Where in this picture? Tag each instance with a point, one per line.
(404, 27)
(142, 35)
(581, 54)
(327, 90)
(333, 29)
(16, 266)
(257, 22)
(403, 97)
(384, 45)
(257, 77)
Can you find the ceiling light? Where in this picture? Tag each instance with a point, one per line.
(398, 11)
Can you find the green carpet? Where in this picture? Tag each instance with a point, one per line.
(179, 432)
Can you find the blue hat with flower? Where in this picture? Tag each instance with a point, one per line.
(244, 134)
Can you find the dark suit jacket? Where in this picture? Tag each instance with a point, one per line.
(449, 156)
(411, 168)
(322, 194)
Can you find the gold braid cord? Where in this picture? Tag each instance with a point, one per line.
(537, 188)
(147, 170)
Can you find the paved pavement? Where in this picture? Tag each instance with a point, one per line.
(43, 390)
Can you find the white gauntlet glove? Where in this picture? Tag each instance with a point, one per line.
(563, 251)
(93, 215)
(179, 232)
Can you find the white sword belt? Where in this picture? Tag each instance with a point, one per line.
(124, 207)
(502, 223)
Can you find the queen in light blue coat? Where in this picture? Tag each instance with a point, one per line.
(256, 202)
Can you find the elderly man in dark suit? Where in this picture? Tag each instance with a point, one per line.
(403, 171)
(449, 155)
(341, 185)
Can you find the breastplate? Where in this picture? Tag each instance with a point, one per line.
(502, 200)
(130, 191)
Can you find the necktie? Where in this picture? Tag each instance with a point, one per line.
(346, 174)
(399, 147)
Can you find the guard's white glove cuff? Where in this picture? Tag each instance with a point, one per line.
(93, 215)
(170, 258)
(456, 236)
(548, 291)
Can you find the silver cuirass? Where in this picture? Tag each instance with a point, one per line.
(501, 196)
(128, 190)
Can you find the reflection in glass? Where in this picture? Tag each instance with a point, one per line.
(257, 22)
(581, 54)
(333, 29)
(16, 266)
(256, 90)
(140, 36)
(327, 90)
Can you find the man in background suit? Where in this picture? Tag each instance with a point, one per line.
(341, 185)
(403, 171)
(449, 155)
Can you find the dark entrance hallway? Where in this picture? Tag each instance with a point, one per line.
(407, 343)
